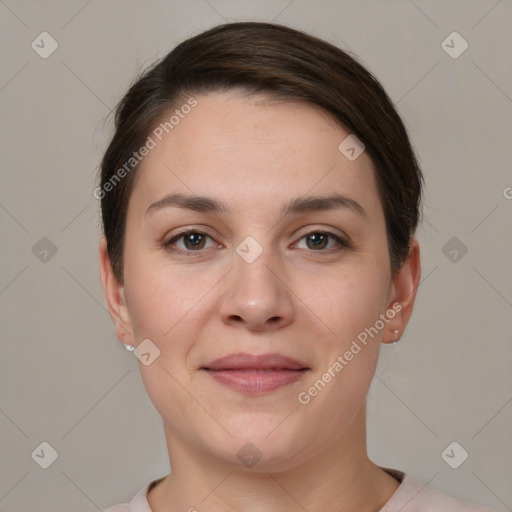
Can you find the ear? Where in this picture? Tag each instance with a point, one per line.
(114, 295)
(403, 291)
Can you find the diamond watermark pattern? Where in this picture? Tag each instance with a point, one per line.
(45, 455)
(351, 147)
(249, 455)
(44, 45)
(454, 455)
(454, 45)
(454, 249)
(249, 249)
(146, 352)
(44, 250)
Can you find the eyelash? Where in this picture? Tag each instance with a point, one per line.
(342, 242)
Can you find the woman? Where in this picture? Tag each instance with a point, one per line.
(259, 200)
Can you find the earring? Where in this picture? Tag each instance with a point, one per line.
(396, 336)
(131, 348)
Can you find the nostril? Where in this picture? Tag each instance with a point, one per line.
(256, 323)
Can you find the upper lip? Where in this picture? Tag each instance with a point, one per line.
(244, 361)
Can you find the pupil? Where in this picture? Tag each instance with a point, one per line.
(318, 240)
(194, 240)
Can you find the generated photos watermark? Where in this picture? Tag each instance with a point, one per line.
(152, 141)
(305, 397)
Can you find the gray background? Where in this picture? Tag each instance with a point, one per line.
(67, 381)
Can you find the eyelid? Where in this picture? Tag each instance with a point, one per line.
(187, 231)
(184, 230)
(326, 230)
(169, 244)
(342, 241)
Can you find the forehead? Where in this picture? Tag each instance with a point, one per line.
(229, 124)
(266, 151)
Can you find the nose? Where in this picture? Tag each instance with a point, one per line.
(256, 296)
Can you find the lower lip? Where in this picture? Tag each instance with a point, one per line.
(256, 381)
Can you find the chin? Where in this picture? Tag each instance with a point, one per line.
(260, 443)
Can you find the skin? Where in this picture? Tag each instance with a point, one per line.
(295, 299)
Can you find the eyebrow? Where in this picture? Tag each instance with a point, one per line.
(304, 204)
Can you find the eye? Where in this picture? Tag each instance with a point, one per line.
(189, 241)
(322, 240)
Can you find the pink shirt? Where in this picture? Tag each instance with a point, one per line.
(411, 496)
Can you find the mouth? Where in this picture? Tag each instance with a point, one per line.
(255, 374)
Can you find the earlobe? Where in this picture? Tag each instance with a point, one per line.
(405, 286)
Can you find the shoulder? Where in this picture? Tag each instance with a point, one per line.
(122, 507)
(139, 503)
(412, 496)
(431, 500)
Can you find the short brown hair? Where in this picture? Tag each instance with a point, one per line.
(285, 64)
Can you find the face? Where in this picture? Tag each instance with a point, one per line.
(286, 253)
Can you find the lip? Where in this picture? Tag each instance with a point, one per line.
(255, 374)
(244, 361)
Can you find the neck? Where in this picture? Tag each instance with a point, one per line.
(338, 477)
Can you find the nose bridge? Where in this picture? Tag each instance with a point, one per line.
(255, 295)
(256, 277)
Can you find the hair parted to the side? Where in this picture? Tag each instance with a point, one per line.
(284, 64)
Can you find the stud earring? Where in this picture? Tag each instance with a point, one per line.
(396, 336)
(130, 348)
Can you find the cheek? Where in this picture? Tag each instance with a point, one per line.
(349, 304)
(170, 307)
(350, 307)
(163, 298)
(346, 301)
